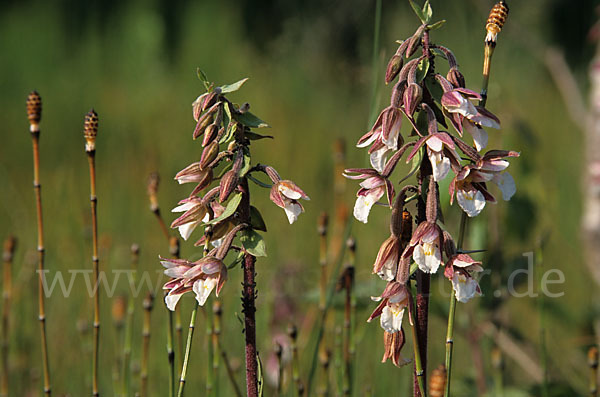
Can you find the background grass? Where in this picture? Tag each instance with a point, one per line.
(310, 74)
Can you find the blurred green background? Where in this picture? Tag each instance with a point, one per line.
(312, 67)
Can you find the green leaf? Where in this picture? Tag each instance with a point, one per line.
(232, 205)
(250, 120)
(427, 12)
(438, 53)
(436, 25)
(413, 268)
(435, 89)
(253, 243)
(417, 11)
(246, 164)
(203, 78)
(422, 69)
(261, 379)
(256, 220)
(233, 87)
(229, 133)
(236, 261)
(422, 122)
(253, 136)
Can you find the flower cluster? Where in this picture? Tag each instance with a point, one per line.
(427, 117)
(225, 132)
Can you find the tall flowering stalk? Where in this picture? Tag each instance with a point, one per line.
(90, 130)
(220, 202)
(425, 124)
(34, 114)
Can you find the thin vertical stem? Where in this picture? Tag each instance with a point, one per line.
(37, 187)
(293, 334)
(451, 312)
(593, 363)
(171, 354)
(7, 257)
(188, 349)
(419, 373)
(129, 324)
(95, 270)
(349, 307)
(146, 329)
(248, 300)
(229, 370)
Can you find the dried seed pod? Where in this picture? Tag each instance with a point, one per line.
(437, 382)
(90, 130)
(495, 22)
(34, 111)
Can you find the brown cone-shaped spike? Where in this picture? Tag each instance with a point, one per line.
(90, 130)
(593, 357)
(153, 182)
(34, 110)
(437, 382)
(322, 224)
(496, 20)
(118, 310)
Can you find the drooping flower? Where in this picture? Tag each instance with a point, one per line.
(194, 173)
(394, 300)
(460, 270)
(194, 212)
(386, 263)
(441, 152)
(371, 190)
(425, 246)
(201, 277)
(470, 182)
(285, 194)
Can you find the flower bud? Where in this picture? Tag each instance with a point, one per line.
(205, 120)
(272, 173)
(209, 154)
(393, 68)
(412, 97)
(227, 185)
(210, 133)
(90, 130)
(203, 102)
(455, 77)
(34, 111)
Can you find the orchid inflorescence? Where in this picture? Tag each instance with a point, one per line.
(437, 110)
(225, 131)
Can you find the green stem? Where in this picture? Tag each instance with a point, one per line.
(171, 354)
(418, 367)
(210, 356)
(451, 312)
(188, 349)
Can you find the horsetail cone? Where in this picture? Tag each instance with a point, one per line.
(90, 130)
(495, 21)
(153, 181)
(34, 111)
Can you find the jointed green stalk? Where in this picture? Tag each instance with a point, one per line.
(148, 305)
(451, 313)
(34, 113)
(135, 252)
(188, 349)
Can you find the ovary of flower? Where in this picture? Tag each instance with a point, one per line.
(471, 201)
(391, 317)
(203, 288)
(428, 256)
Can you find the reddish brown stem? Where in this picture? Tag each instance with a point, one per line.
(248, 301)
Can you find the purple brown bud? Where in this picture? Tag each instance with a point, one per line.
(34, 111)
(205, 120)
(393, 68)
(392, 345)
(209, 154)
(203, 102)
(412, 97)
(210, 134)
(228, 183)
(455, 77)
(272, 173)
(90, 130)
